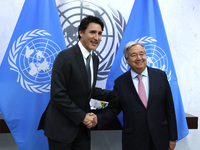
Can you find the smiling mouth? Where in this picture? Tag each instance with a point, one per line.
(95, 43)
(140, 62)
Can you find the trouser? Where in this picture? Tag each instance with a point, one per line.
(81, 142)
(151, 145)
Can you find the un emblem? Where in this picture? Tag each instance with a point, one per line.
(156, 57)
(32, 57)
(72, 12)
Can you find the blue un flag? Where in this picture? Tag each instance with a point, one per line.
(25, 72)
(145, 25)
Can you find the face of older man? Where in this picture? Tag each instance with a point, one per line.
(136, 58)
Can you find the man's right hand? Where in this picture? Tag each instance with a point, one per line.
(90, 120)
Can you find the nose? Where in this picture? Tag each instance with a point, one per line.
(139, 57)
(97, 36)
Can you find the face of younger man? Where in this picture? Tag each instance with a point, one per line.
(91, 37)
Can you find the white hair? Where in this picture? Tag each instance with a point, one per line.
(130, 44)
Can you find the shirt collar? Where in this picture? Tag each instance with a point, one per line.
(83, 50)
(144, 73)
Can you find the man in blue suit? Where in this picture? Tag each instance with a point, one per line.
(148, 125)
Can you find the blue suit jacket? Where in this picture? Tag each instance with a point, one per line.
(156, 121)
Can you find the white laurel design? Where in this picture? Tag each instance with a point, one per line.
(123, 65)
(143, 40)
(13, 54)
(120, 25)
(146, 39)
(169, 76)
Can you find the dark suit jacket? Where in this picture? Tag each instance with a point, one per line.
(156, 121)
(70, 95)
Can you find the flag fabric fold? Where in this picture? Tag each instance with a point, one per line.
(145, 25)
(25, 72)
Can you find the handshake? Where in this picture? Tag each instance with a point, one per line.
(90, 120)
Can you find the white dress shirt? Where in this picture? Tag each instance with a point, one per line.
(85, 54)
(145, 80)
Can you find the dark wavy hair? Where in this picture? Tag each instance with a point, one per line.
(86, 21)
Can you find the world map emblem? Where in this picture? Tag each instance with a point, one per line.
(32, 57)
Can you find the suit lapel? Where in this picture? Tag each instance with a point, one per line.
(95, 68)
(81, 64)
(152, 81)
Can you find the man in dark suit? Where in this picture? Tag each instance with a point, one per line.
(149, 121)
(72, 86)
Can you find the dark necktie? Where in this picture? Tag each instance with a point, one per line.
(88, 70)
(141, 90)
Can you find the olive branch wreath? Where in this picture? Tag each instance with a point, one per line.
(12, 59)
(120, 24)
(143, 40)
